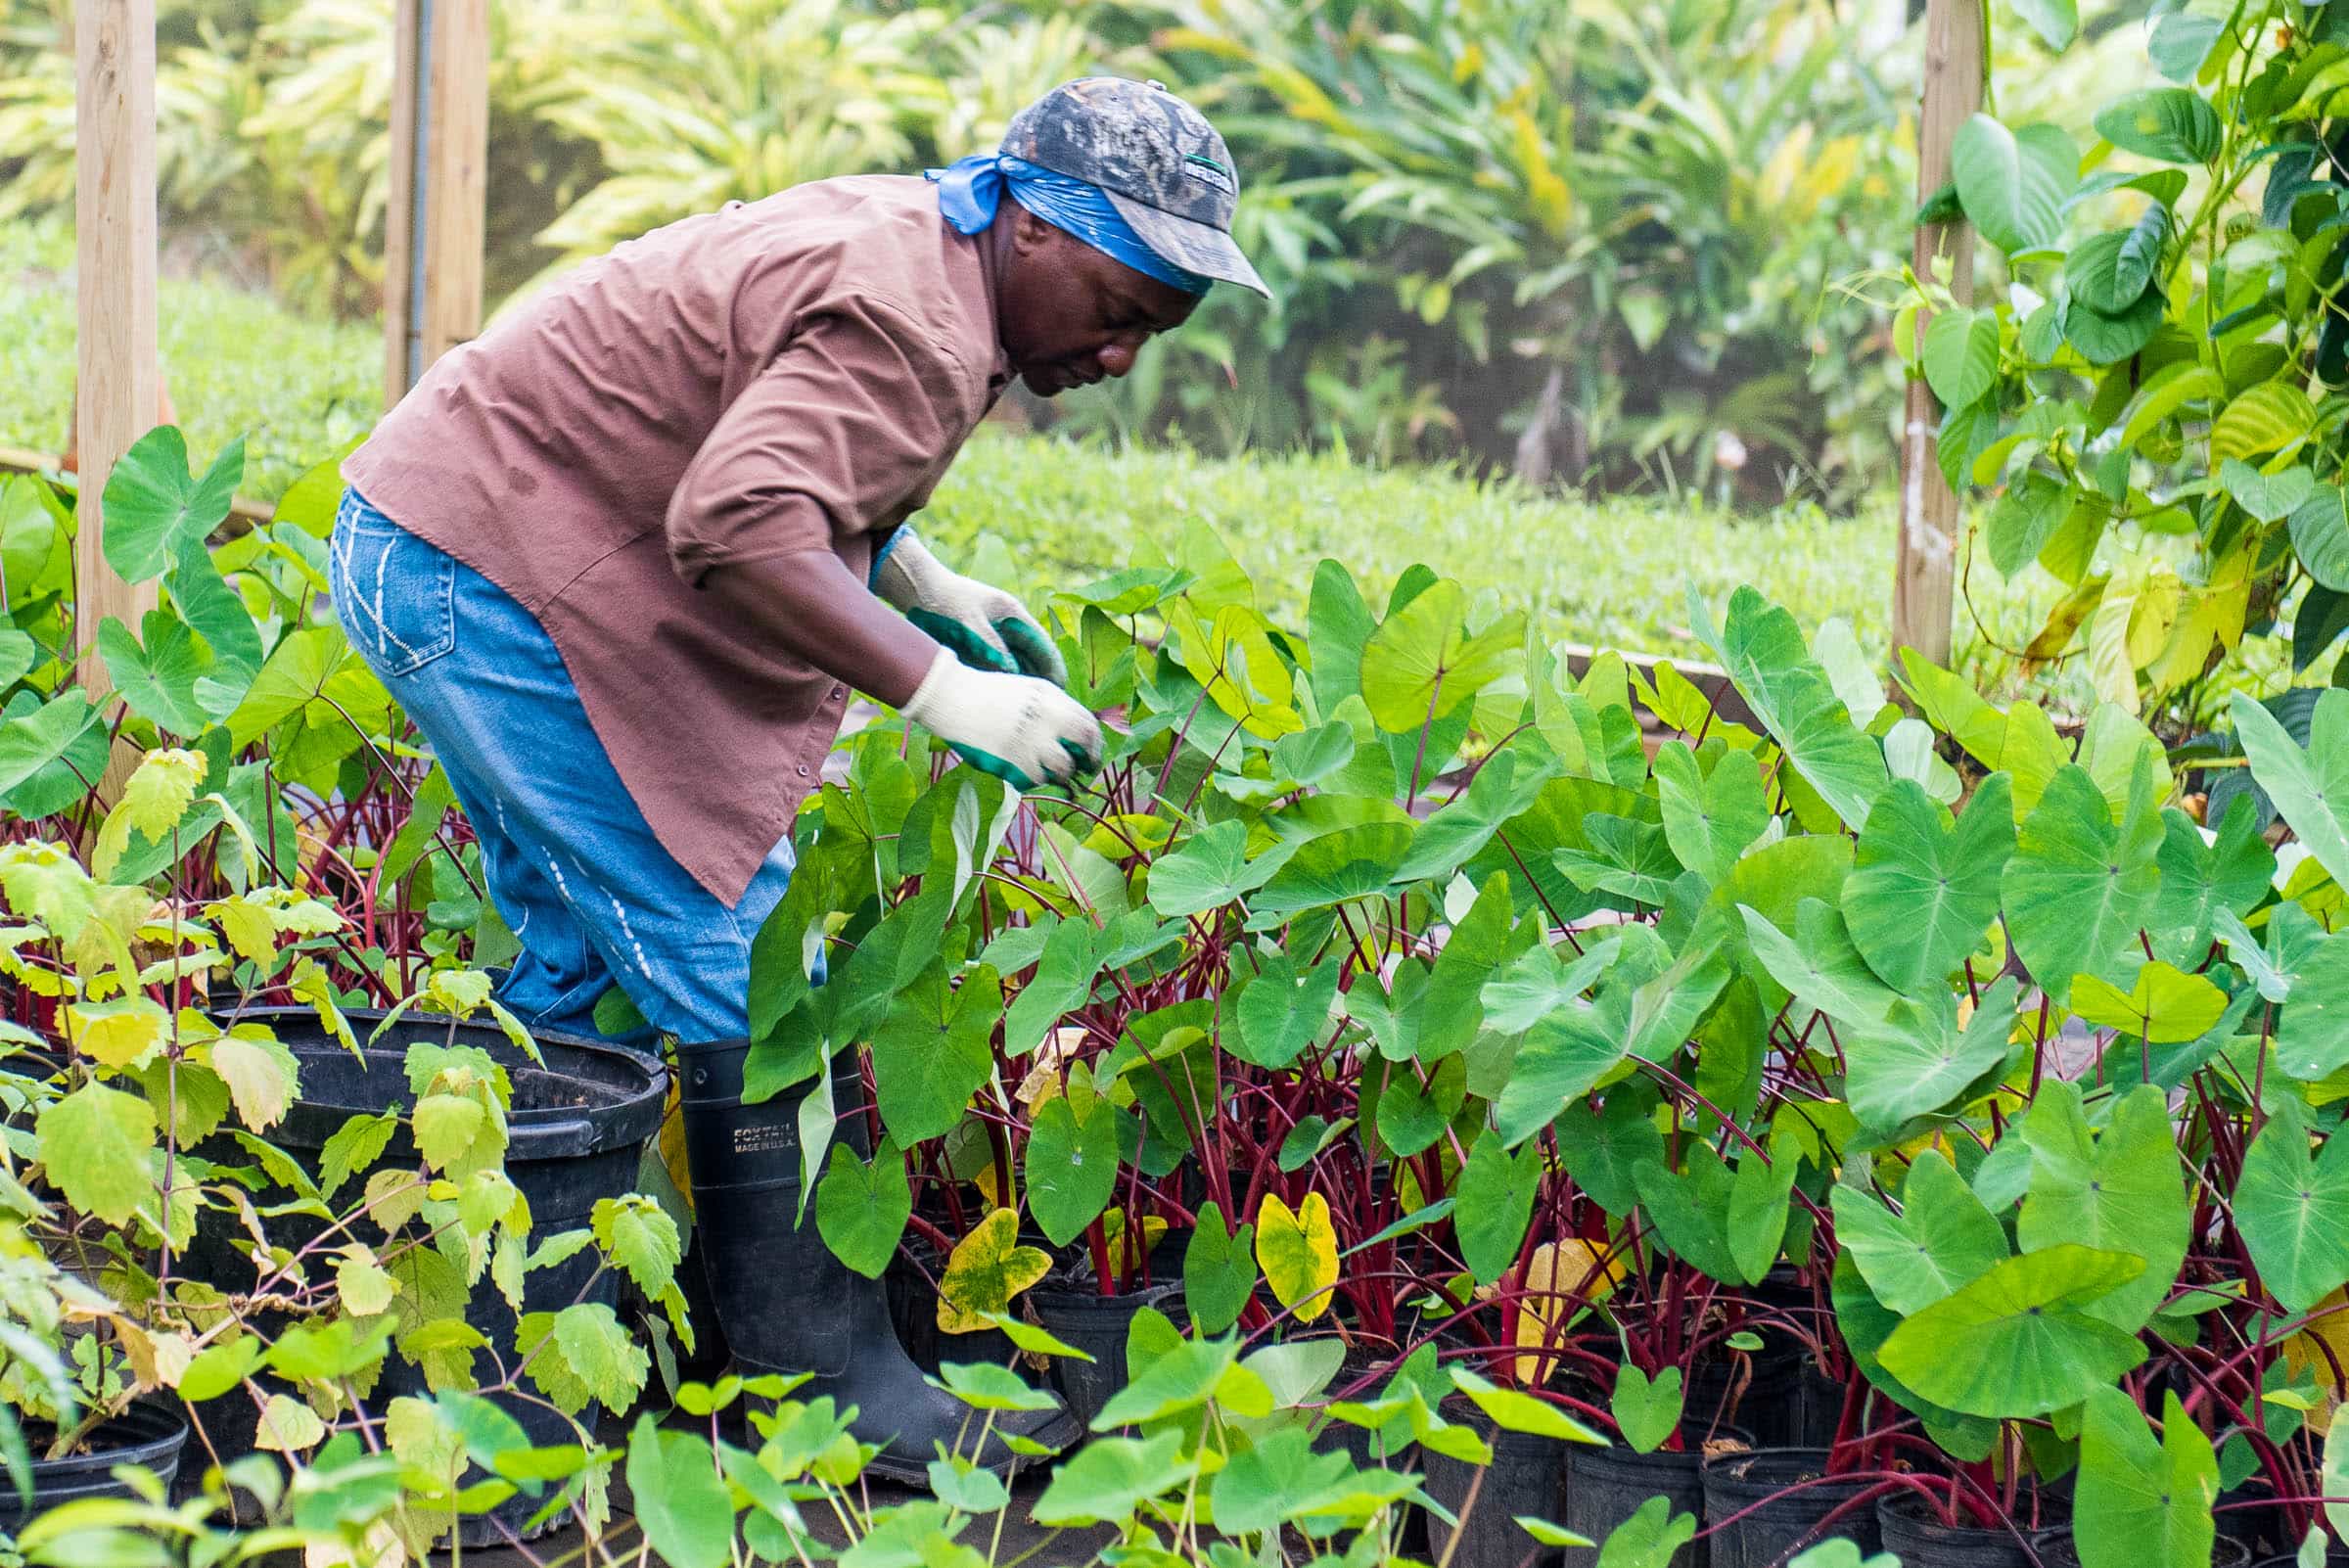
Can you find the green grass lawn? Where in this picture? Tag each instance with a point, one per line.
(1609, 571)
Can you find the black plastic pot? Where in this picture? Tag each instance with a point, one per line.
(1911, 1529)
(1765, 1506)
(1527, 1475)
(147, 1435)
(1096, 1324)
(1368, 1449)
(1766, 1403)
(576, 1130)
(1604, 1487)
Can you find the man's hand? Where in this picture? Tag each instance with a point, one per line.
(986, 627)
(1023, 731)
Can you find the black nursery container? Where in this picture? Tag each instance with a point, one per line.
(1527, 1475)
(1096, 1324)
(1913, 1531)
(1604, 1487)
(149, 1435)
(1766, 1506)
(576, 1130)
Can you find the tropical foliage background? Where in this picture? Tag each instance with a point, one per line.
(1650, 246)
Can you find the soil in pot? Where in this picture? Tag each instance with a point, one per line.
(1764, 1507)
(577, 1128)
(1604, 1487)
(1911, 1528)
(149, 1435)
(2057, 1549)
(1527, 1475)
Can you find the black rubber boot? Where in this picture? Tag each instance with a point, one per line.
(787, 1304)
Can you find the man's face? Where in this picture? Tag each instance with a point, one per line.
(1069, 314)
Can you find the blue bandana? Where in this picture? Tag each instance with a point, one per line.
(969, 192)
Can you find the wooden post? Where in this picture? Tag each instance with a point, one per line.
(1922, 589)
(118, 383)
(440, 185)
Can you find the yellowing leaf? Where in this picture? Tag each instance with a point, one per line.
(247, 926)
(261, 1074)
(1298, 1253)
(986, 1269)
(288, 1426)
(116, 1032)
(160, 789)
(2316, 1350)
(1559, 1278)
(2164, 1006)
(366, 1289)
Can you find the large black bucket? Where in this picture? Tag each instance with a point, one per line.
(147, 1435)
(576, 1130)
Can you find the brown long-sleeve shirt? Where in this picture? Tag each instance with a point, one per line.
(786, 375)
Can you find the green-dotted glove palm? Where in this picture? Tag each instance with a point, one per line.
(1022, 731)
(987, 628)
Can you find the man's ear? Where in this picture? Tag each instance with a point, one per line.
(1030, 234)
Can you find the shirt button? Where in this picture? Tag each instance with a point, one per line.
(803, 771)
(838, 692)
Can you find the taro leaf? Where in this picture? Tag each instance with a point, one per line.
(1298, 1252)
(1219, 1270)
(679, 1501)
(2013, 184)
(1352, 862)
(984, 1270)
(1604, 1149)
(158, 680)
(1479, 944)
(1495, 1195)
(1282, 1009)
(1920, 1060)
(2141, 1503)
(1651, 1538)
(51, 753)
(2292, 1208)
(2079, 888)
(1104, 1482)
(1337, 626)
(1629, 859)
(2162, 1007)
(1280, 1479)
(1533, 983)
(2107, 339)
(1710, 820)
(1819, 966)
(2168, 124)
(2111, 271)
(861, 1208)
(1210, 868)
(1866, 1323)
(2124, 1192)
(1409, 1116)
(1941, 1239)
(2201, 881)
(1762, 648)
(1691, 1211)
(153, 500)
(1422, 662)
(216, 612)
(1071, 1165)
(931, 1051)
(2312, 1041)
(1758, 1205)
(1311, 755)
(1504, 786)
(1962, 355)
(1559, 1060)
(1920, 894)
(1645, 1411)
(2319, 529)
(1064, 978)
(2016, 1341)
(2309, 786)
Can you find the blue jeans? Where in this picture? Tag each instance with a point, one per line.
(572, 864)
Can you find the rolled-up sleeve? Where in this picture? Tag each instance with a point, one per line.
(852, 418)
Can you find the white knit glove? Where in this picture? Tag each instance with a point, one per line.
(986, 627)
(1021, 729)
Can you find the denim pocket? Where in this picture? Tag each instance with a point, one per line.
(395, 593)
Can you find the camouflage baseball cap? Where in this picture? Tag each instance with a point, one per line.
(1158, 162)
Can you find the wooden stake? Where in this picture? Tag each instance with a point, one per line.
(118, 386)
(439, 214)
(1922, 590)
